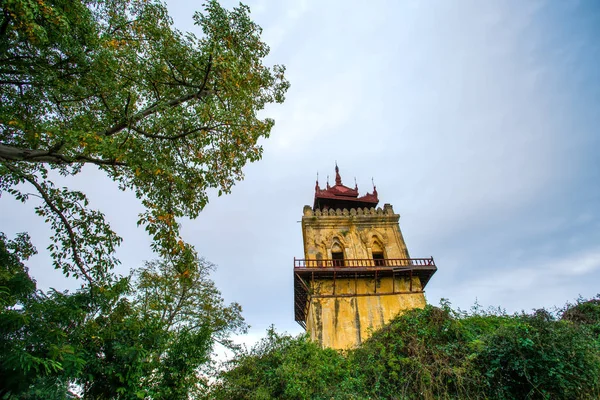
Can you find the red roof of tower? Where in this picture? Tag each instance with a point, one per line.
(340, 196)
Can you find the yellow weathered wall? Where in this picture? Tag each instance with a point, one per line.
(342, 322)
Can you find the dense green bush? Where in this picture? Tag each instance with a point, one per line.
(433, 353)
(284, 367)
(584, 312)
(540, 358)
(423, 354)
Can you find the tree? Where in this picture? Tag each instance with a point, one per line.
(112, 84)
(153, 343)
(168, 115)
(34, 328)
(142, 337)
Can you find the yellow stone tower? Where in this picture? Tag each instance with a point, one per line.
(356, 274)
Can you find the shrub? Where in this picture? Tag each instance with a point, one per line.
(281, 366)
(432, 353)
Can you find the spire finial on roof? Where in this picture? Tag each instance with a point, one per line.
(338, 178)
(374, 187)
(317, 188)
(355, 184)
(327, 181)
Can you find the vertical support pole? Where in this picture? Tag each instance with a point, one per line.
(375, 281)
(355, 284)
(393, 282)
(411, 280)
(334, 283)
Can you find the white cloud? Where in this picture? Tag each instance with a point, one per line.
(530, 283)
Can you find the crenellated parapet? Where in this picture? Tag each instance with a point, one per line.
(386, 210)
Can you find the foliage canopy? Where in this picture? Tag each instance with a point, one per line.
(113, 84)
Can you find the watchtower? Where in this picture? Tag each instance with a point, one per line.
(356, 274)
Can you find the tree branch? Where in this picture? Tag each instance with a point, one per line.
(60, 215)
(153, 109)
(178, 136)
(177, 309)
(12, 153)
(17, 83)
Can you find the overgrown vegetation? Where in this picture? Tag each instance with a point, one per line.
(167, 115)
(433, 353)
(146, 336)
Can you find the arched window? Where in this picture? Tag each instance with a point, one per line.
(378, 256)
(337, 255)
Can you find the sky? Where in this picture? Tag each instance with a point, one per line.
(478, 121)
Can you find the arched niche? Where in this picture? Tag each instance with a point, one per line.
(378, 252)
(337, 253)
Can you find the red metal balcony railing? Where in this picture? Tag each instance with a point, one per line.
(308, 271)
(364, 262)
